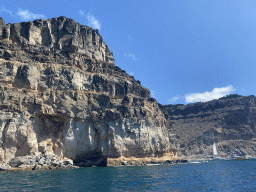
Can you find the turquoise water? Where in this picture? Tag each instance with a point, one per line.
(218, 175)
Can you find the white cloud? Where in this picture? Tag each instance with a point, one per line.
(93, 22)
(131, 73)
(172, 100)
(216, 93)
(26, 15)
(6, 10)
(81, 13)
(131, 55)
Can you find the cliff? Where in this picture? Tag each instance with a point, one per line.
(230, 122)
(61, 93)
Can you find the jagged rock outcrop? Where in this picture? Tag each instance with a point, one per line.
(2, 24)
(59, 33)
(60, 92)
(230, 122)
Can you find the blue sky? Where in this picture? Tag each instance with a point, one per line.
(183, 51)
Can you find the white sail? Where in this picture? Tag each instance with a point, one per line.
(214, 149)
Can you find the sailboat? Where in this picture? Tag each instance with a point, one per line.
(214, 148)
(215, 154)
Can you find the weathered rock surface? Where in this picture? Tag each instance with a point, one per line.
(61, 93)
(230, 122)
(63, 34)
(2, 24)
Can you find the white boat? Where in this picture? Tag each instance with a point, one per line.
(214, 148)
(235, 157)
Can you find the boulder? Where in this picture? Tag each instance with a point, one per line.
(68, 162)
(15, 162)
(4, 167)
(124, 163)
(41, 161)
(37, 167)
(48, 161)
(55, 163)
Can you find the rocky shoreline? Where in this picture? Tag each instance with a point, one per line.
(37, 162)
(48, 161)
(140, 161)
(150, 163)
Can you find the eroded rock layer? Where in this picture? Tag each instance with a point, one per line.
(61, 92)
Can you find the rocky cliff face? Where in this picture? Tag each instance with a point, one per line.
(61, 92)
(230, 122)
(60, 33)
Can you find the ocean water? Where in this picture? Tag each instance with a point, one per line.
(218, 175)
